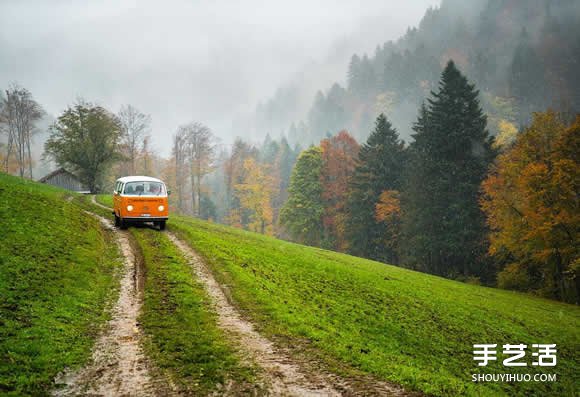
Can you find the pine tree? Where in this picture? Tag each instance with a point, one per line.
(379, 168)
(317, 117)
(367, 80)
(526, 78)
(302, 213)
(444, 230)
(353, 75)
(285, 161)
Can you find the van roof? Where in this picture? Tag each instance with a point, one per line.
(138, 178)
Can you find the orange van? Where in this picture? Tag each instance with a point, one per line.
(140, 199)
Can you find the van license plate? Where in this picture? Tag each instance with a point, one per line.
(145, 215)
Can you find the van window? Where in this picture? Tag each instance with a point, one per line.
(144, 189)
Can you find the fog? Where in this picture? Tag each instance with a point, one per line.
(208, 61)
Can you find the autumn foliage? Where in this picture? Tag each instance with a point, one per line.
(339, 155)
(255, 194)
(531, 200)
(388, 212)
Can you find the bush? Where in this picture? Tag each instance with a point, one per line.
(515, 276)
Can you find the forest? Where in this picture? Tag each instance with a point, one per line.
(522, 56)
(453, 151)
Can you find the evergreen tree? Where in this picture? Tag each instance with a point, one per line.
(379, 168)
(292, 133)
(317, 117)
(393, 71)
(444, 228)
(302, 213)
(367, 83)
(335, 114)
(526, 79)
(354, 72)
(269, 150)
(208, 210)
(285, 161)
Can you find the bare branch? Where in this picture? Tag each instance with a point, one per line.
(135, 129)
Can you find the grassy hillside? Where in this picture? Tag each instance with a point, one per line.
(105, 199)
(56, 276)
(407, 327)
(184, 340)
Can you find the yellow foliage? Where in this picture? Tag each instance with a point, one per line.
(507, 134)
(255, 194)
(385, 102)
(388, 207)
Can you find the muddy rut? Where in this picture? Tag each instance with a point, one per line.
(282, 374)
(118, 366)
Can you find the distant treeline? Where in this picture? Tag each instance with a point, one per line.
(455, 201)
(522, 55)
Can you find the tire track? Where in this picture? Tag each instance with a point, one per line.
(283, 375)
(118, 366)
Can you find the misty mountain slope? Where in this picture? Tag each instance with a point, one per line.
(406, 327)
(522, 55)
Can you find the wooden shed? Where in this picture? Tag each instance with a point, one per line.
(64, 179)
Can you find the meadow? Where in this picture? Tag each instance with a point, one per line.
(57, 277)
(182, 336)
(360, 316)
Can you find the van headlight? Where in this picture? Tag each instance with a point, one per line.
(129, 208)
(161, 208)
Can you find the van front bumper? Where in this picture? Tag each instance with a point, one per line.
(145, 218)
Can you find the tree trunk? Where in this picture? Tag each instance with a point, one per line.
(193, 206)
(198, 194)
(29, 154)
(9, 149)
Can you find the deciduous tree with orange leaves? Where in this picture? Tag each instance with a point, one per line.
(388, 211)
(339, 155)
(531, 201)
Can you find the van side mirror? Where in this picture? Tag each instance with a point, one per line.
(169, 192)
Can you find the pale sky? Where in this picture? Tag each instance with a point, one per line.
(181, 61)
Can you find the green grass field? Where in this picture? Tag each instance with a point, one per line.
(183, 338)
(57, 271)
(362, 316)
(105, 199)
(403, 326)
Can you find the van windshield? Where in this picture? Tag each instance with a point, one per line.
(144, 189)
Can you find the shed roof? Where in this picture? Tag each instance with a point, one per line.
(56, 172)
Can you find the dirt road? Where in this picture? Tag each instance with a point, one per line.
(118, 366)
(283, 375)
